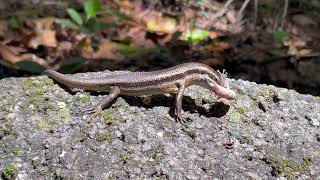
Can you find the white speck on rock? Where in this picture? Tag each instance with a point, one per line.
(160, 134)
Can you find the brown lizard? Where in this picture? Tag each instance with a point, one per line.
(173, 80)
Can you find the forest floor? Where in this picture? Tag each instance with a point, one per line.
(273, 43)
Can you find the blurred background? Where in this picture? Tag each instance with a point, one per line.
(266, 41)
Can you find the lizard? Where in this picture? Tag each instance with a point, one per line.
(172, 80)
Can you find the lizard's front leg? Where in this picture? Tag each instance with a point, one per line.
(178, 107)
(114, 92)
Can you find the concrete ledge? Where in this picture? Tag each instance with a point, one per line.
(266, 133)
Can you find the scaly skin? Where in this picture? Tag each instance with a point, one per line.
(173, 80)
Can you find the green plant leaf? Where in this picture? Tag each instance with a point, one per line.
(96, 5)
(72, 65)
(67, 23)
(30, 66)
(76, 17)
(15, 22)
(125, 49)
(280, 35)
(88, 8)
(195, 35)
(116, 14)
(92, 25)
(92, 8)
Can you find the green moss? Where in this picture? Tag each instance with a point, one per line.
(105, 138)
(16, 150)
(283, 165)
(234, 117)
(44, 125)
(82, 98)
(115, 105)
(31, 83)
(266, 92)
(7, 103)
(239, 92)
(35, 91)
(54, 118)
(126, 157)
(109, 117)
(90, 125)
(199, 100)
(156, 154)
(9, 172)
(241, 109)
(246, 138)
(53, 112)
(7, 129)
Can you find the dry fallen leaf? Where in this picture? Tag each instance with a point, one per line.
(45, 37)
(44, 33)
(3, 28)
(155, 22)
(107, 51)
(218, 47)
(86, 49)
(13, 55)
(135, 35)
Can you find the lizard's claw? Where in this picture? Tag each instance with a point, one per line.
(94, 112)
(180, 119)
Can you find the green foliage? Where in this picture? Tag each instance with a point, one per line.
(279, 35)
(125, 49)
(72, 65)
(85, 25)
(75, 16)
(67, 23)
(92, 8)
(92, 25)
(15, 22)
(30, 66)
(195, 35)
(76, 21)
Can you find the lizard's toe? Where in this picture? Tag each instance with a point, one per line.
(181, 119)
(94, 112)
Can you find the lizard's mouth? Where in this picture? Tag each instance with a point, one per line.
(223, 92)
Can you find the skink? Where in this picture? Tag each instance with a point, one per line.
(173, 80)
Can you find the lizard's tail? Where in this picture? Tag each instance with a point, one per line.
(71, 81)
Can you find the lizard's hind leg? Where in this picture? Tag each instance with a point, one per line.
(114, 92)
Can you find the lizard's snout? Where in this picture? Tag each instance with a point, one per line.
(223, 92)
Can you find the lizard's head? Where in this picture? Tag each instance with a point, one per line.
(220, 87)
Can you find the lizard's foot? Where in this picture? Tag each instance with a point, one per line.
(94, 112)
(180, 119)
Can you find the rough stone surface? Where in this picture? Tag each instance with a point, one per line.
(267, 133)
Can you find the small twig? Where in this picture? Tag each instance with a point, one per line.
(240, 13)
(220, 13)
(256, 5)
(284, 14)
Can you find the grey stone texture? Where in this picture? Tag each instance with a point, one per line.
(266, 133)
